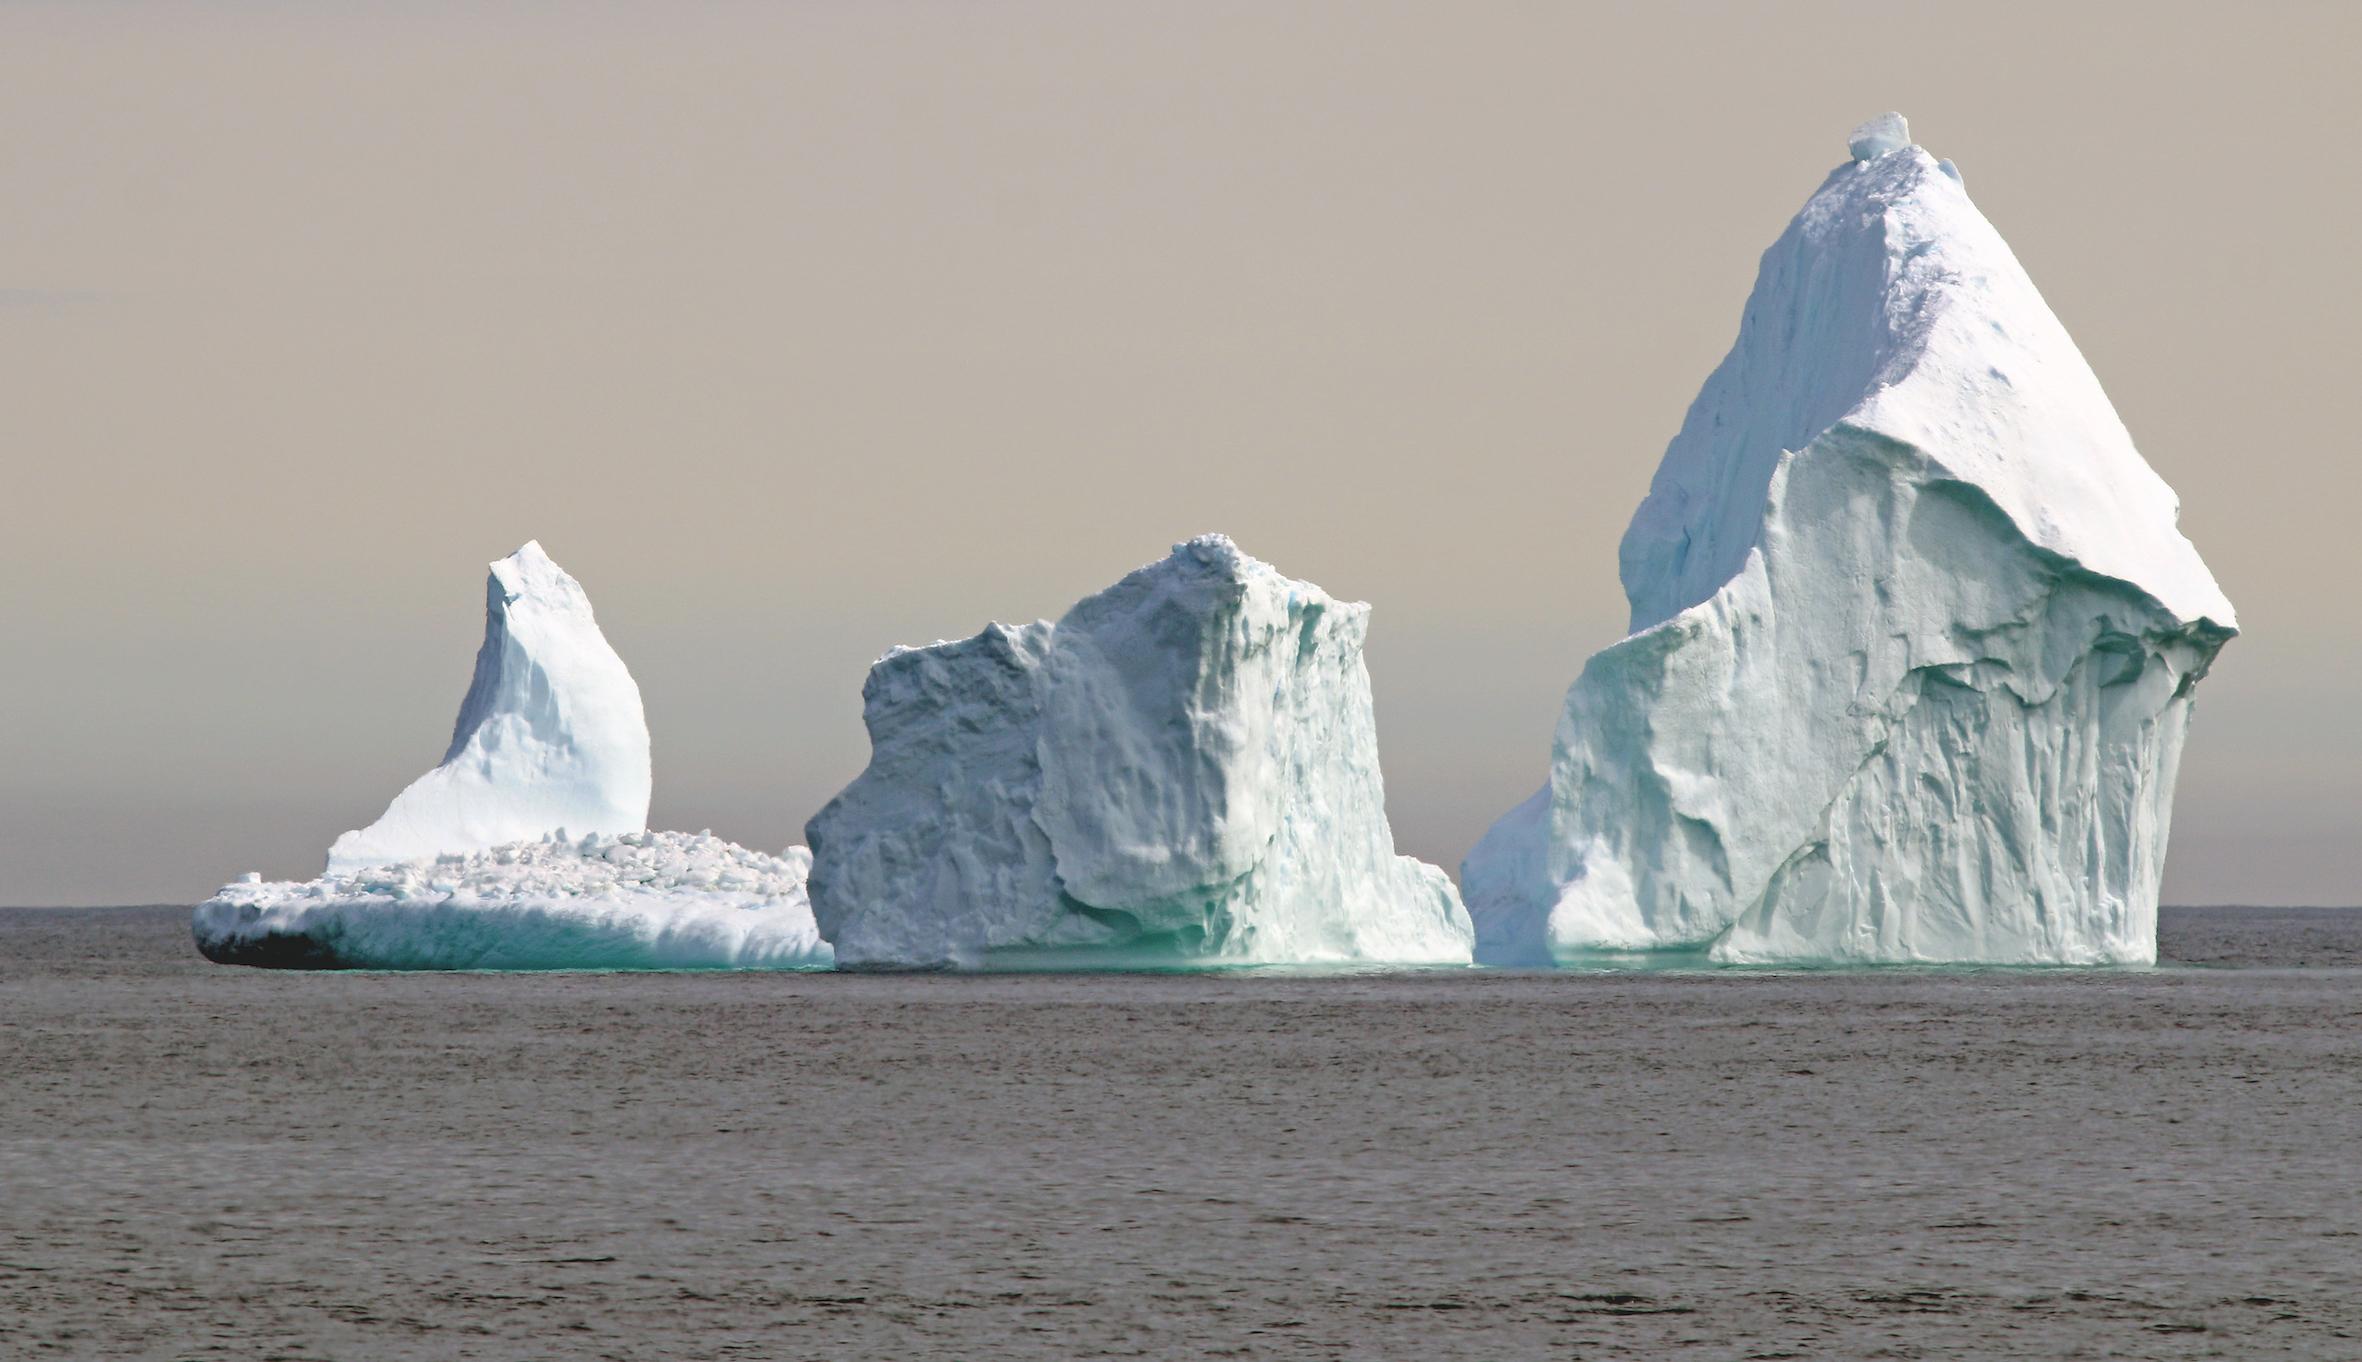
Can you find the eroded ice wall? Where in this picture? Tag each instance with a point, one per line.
(1183, 769)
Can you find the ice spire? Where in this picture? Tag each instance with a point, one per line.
(550, 737)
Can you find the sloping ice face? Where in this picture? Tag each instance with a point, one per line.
(550, 737)
(1915, 634)
(1183, 770)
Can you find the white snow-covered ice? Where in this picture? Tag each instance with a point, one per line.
(1914, 633)
(644, 900)
(525, 848)
(1887, 132)
(551, 734)
(1181, 770)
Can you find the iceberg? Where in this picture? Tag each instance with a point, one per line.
(1914, 634)
(525, 848)
(644, 900)
(1183, 770)
(551, 734)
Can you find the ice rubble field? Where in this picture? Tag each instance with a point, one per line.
(645, 900)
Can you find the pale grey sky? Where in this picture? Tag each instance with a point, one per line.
(799, 331)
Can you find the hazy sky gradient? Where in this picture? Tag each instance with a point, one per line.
(798, 332)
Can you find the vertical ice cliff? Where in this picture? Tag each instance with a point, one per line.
(1183, 769)
(550, 737)
(1914, 633)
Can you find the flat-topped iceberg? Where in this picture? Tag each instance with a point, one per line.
(1914, 633)
(645, 900)
(551, 734)
(1181, 770)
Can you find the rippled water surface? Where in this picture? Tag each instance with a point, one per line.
(205, 1161)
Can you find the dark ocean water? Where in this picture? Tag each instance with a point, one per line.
(206, 1161)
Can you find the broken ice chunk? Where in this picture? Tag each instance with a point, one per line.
(1887, 132)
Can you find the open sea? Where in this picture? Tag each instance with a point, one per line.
(202, 1161)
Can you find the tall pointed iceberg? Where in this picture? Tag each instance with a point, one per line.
(1914, 633)
(525, 849)
(1182, 770)
(551, 735)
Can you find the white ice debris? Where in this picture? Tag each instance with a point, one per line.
(550, 736)
(645, 900)
(1914, 633)
(1887, 132)
(1184, 769)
